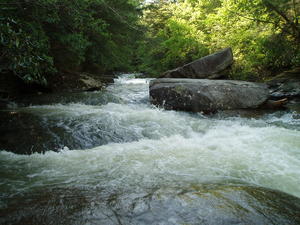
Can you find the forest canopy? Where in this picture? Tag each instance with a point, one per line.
(40, 37)
(264, 34)
(43, 37)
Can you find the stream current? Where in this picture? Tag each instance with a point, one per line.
(110, 157)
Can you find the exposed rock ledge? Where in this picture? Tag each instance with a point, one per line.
(211, 66)
(202, 95)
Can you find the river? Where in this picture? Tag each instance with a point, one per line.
(110, 157)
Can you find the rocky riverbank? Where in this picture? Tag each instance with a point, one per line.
(14, 89)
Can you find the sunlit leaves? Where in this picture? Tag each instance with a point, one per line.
(264, 34)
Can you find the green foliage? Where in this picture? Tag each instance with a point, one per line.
(181, 43)
(41, 36)
(171, 39)
(24, 51)
(264, 34)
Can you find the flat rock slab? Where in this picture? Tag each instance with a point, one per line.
(202, 95)
(207, 67)
(210, 204)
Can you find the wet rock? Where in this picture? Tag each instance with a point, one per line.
(294, 106)
(24, 133)
(76, 82)
(198, 95)
(37, 129)
(285, 85)
(198, 204)
(214, 204)
(275, 104)
(90, 83)
(210, 66)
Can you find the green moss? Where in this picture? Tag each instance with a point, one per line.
(179, 89)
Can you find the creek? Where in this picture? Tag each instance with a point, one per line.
(110, 157)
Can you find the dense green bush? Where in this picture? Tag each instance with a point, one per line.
(39, 37)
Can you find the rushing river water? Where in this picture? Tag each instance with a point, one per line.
(110, 157)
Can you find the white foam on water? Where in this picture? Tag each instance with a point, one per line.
(291, 118)
(173, 148)
(266, 156)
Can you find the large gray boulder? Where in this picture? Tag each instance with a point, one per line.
(209, 66)
(202, 95)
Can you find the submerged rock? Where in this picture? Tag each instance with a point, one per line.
(199, 204)
(209, 66)
(198, 95)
